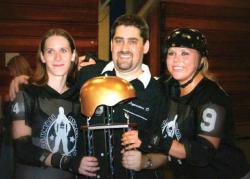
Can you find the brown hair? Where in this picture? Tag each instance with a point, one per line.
(132, 20)
(20, 65)
(40, 76)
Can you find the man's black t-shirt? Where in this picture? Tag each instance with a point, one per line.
(142, 110)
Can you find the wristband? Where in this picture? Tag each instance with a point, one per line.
(66, 162)
(146, 146)
(165, 145)
(43, 157)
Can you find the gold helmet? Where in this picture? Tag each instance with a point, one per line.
(104, 90)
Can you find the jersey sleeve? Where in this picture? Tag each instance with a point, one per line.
(211, 118)
(89, 72)
(21, 107)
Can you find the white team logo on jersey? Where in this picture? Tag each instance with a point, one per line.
(170, 128)
(59, 134)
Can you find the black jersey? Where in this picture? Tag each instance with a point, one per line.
(143, 111)
(207, 111)
(54, 120)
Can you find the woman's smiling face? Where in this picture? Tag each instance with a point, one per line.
(182, 63)
(57, 56)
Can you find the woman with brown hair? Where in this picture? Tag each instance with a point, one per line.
(46, 115)
(18, 65)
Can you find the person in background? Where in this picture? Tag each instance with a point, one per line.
(46, 115)
(196, 134)
(16, 66)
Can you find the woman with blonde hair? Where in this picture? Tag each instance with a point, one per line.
(196, 133)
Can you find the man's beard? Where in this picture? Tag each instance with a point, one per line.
(125, 63)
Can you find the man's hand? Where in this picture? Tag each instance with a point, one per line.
(14, 85)
(130, 140)
(132, 160)
(85, 61)
(88, 166)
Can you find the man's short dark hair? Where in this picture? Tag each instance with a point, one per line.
(132, 20)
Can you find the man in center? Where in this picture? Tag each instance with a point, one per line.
(129, 43)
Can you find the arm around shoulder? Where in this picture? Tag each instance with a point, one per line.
(15, 83)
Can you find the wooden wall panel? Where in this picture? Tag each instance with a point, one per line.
(154, 56)
(226, 24)
(221, 3)
(34, 29)
(46, 13)
(23, 22)
(30, 44)
(63, 3)
(202, 11)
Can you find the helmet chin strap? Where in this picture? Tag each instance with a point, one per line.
(191, 80)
